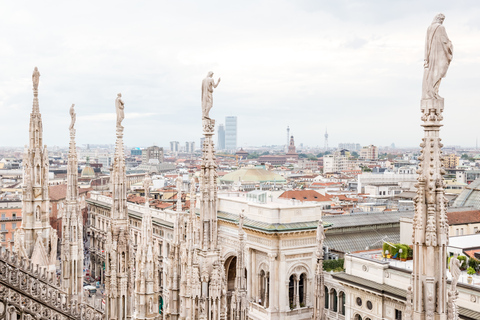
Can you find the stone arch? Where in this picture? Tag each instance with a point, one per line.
(229, 254)
(298, 269)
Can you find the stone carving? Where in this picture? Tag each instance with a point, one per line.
(208, 84)
(455, 271)
(73, 117)
(438, 55)
(35, 78)
(119, 107)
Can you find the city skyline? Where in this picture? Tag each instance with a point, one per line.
(292, 65)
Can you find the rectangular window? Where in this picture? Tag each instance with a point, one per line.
(398, 314)
(461, 231)
(3, 237)
(14, 226)
(3, 216)
(475, 230)
(14, 215)
(456, 232)
(4, 227)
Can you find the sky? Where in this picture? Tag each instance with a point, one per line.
(353, 68)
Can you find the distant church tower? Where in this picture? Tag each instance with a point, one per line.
(72, 226)
(119, 258)
(36, 240)
(288, 139)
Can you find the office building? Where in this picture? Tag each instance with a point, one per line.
(231, 133)
(221, 137)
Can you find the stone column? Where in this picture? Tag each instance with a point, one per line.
(250, 272)
(297, 296)
(253, 275)
(273, 281)
(283, 289)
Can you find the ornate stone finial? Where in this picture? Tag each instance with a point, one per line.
(438, 55)
(320, 239)
(208, 84)
(241, 219)
(73, 117)
(119, 106)
(35, 78)
(147, 183)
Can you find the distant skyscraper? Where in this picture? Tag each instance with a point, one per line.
(326, 140)
(221, 137)
(174, 146)
(231, 133)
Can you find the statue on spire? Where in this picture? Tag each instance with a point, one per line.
(208, 84)
(73, 117)
(35, 78)
(438, 55)
(119, 106)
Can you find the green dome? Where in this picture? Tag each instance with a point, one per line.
(252, 175)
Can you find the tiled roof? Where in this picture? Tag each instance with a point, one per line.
(463, 217)
(304, 195)
(59, 192)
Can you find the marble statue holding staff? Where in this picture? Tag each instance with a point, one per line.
(438, 55)
(119, 106)
(208, 84)
(35, 78)
(73, 116)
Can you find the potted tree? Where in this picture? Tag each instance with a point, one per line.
(470, 272)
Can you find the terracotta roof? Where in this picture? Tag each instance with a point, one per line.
(304, 195)
(471, 253)
(59, 192)
(463, 217)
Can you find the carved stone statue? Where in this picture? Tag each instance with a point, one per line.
(208, 84)
(438, 55)
(73, 116)
(455, 271)
(119, 106)
(35, 78)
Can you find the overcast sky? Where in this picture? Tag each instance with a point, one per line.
(354, 67)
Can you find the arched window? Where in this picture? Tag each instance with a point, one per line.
(291, 291)
(326, 298)
(302, 289)
(334, 300)
(358, 317)
(341, 297)
(263, 288)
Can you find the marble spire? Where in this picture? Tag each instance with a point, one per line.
(72, 225)
(430, 227)
(119, 251)
(319, 303)
(239, 301)
(147, 268)
(35, 239)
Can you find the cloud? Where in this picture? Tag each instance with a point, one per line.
(352, 66)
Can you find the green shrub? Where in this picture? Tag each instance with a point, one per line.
(333, 265)
(463, 260)
(470, 271)
(474, 263)
(410, 252)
